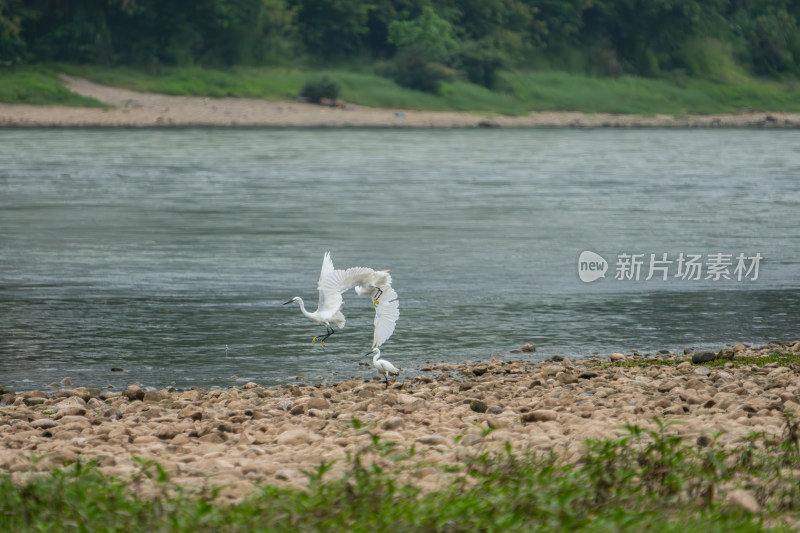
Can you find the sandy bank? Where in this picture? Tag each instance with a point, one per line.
(243, 437)
(134, 109)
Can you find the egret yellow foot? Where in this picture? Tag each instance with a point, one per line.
(322, 343)
(375, 301)
(314, 340)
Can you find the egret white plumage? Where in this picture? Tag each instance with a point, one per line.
(330, 302)
(383, 366)
(368, 281)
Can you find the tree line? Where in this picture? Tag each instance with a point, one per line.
(414, 40)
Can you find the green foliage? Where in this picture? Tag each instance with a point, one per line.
(38, 86)
(481, 63)
(661, 38)
(647, 480)
(317, 89)
(429, 35)
(412, 68)
(332, 28)
(781, 359)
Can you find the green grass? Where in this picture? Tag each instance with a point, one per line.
(38, 86)
(783, 359)
(517, 92)
(649, 480)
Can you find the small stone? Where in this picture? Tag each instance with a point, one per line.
(479, 370)
(702, 371)
(528, 347)
(478, 406)
(744, 500)
(687, 351)
(668, 386)
(618, 357)
(432, 440)
(494, 410)
(703, 356)
(318, 403)
(739, 348)
(565, 378)
(193, 412)
(392, 423)
(151, 396)
(298, 409)
(540, 415)
(588, 375)
(293, 436)
(66, 381)
(285, 474)
(45, 423)
(725, 353)
(133, 393)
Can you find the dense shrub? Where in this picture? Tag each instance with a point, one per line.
(317, 89)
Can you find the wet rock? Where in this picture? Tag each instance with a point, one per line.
(703, 356)
(478, 406)
(528, 347)
(587, 375)
(117, 369)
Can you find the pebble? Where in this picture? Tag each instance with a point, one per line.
(744, 500)
(253, 432)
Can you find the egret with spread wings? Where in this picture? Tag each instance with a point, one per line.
(375, 283)
(330, 302)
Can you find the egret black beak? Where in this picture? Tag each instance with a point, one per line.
(290, 301)
(368, 353)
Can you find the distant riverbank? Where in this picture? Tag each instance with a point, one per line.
(128, 108)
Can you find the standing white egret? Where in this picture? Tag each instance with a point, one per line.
(383, 366)
(330, 302)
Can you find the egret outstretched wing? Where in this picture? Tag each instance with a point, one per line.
(386, 314)
(344, 280)
(330, 298)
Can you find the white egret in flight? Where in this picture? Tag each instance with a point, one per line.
(374, 282)
(383, 366)
(330, 302)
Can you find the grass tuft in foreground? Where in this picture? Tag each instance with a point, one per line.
(648, 480)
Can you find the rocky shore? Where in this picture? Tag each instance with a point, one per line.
(244, 437)
(134, 109)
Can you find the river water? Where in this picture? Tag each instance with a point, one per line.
(168, 253)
